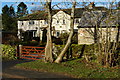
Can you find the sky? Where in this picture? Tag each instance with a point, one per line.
(30, 6)
(54, 0)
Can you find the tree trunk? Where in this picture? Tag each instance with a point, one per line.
(60, 57)
(48, 48)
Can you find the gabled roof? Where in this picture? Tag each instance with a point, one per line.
(78, 12)
(35, 16)
(42, 15)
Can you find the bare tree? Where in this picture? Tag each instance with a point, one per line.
(48, 48)
(60, 57)
(103, 23)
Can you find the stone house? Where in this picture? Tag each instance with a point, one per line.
(92, 20)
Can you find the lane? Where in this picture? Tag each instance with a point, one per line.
(22, 73)
(9, 71)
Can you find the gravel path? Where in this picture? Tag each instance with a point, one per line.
(9, 71)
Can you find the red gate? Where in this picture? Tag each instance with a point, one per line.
(31, 52)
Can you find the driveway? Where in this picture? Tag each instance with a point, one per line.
(9, 71)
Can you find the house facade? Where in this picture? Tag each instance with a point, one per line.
(33, 27)
(106, 27)
(36, 23)
(60, 24)
(86, 35)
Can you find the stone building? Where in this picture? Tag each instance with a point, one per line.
(98, 24)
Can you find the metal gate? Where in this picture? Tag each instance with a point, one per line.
(32, 53)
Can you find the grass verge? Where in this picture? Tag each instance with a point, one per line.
(77, 68)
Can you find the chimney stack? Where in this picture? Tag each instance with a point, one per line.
(91, 5)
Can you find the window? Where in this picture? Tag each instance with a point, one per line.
(76, 21)
(53, 28)
(22, 23)
(63, 21)
(45, 22)
(31, 22)
(57, 34)
(57, 21)
(60, 26)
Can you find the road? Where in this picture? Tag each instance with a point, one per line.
(10, 71)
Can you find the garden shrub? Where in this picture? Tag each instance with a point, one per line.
(33, 43)
(8, 52)
(86, 51)
(89, 53)
(64, 37)
(75, 38)
(29, 43)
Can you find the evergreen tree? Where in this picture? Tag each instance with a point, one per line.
(11, 11)
(9, 21)
(5, 10)
(22, 9)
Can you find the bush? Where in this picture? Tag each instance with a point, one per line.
(64, 37)
(75, 38)
(29, 43)
(8, 52)
(86, 51)
(9, 39)
(33, 43)
(57, 41)
(89, 53)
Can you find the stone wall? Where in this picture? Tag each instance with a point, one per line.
(86, 35)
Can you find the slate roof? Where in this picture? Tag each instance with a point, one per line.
(89, 19)
(43, 15)
(35, 16)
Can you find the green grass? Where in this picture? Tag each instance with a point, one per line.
(76, 68)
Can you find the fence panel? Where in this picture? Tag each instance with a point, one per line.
(31, 52)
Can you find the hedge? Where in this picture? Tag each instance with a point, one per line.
(8, 52)
(89, 52)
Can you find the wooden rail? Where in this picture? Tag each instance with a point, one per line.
(32, 53)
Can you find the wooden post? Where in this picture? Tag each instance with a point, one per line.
(20, 51)
(17, 54)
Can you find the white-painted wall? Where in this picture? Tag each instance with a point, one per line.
(58, 21)
(25, 25)
(61, 22)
